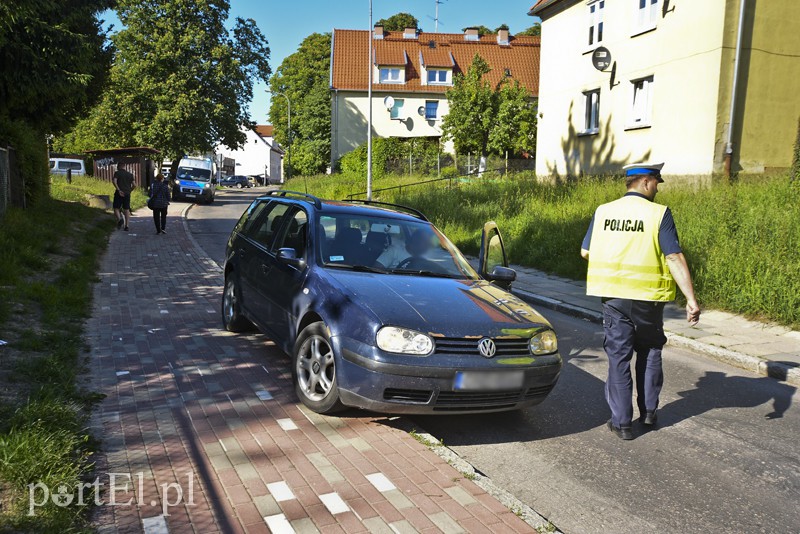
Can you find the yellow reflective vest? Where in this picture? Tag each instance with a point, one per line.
(625, 260)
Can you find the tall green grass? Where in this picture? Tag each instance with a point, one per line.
(48, 263)
(88, 185)
(742, 239)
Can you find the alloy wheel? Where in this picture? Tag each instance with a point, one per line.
(315, 368)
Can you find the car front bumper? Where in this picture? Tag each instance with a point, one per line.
(388, 387)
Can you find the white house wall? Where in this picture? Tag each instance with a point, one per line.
(255, 158)
(683, 54)
(351, 112)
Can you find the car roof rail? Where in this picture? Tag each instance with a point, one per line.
(281, 193)
(411, 211)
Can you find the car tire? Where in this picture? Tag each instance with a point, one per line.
(314, 370)
(232, 318)
(239, 185)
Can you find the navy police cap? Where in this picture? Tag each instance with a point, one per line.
(641, 169)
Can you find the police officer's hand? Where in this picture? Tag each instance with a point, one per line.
(692, 312)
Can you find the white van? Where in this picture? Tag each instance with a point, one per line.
(195, 179)
(62, 165)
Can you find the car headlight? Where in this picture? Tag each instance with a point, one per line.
(207, 186)
(404, 341)
(544, 342)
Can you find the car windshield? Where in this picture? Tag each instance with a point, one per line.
(387, 245)
(193, 173)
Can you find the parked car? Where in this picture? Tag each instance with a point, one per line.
(62, 165)
(195, 180)
(379, 310)
(238, 181)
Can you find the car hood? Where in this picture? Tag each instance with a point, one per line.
(441, 306)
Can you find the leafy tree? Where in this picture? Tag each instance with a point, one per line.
(398, 22)
(485, 119)
(53, 60)
(534, 30)
(304, 78)
(501, 27)
(482, 30)
(180, 81)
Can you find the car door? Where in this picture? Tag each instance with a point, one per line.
(256, 261)
(286, 280)
(493, 264)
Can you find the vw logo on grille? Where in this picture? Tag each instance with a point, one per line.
(487, 348)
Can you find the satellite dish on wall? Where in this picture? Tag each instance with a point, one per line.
(421, 111)
(388, 102)
(601, 58)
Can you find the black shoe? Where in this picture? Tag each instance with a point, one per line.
(158, 232)
(126, 228)
(649, 418)
(119, 224)
(621, 432)
(163, 231)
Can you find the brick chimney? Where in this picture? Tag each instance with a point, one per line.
(471, 34)
(378, 31)
(502, 37)
(410, 33)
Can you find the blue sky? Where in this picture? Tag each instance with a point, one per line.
(286, 23)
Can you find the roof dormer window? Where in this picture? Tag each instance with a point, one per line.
(439, 76)
(391, 75)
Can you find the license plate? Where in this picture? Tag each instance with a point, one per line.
(488, 381)
(191, 196)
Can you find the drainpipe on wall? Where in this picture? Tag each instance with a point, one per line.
(736, 61)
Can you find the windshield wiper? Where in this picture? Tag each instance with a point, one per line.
(357, 268)
(422, 272)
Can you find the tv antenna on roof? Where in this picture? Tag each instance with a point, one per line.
(436, 18)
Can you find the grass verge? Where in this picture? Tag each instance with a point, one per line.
(48, 263)
(741, 238)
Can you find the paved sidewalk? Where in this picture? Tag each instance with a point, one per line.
(769, 350)
(206, 431)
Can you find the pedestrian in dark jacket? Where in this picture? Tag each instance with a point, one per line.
(159, 195)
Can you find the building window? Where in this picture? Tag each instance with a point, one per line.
(642, 102)
(591, 104)
(647, 15)
(397, 109)
(596, 22)
(431, 110)
(437, 76)
(390, 75)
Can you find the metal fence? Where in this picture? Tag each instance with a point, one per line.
(5, 182)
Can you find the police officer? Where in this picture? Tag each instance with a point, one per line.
(634, 264)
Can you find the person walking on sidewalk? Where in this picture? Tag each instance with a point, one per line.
(634, 264)
(123, 187)
(159, 201)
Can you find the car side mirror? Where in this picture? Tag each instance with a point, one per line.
(502, 274)
(288, 256)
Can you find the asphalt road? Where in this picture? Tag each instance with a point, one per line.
(725, 457)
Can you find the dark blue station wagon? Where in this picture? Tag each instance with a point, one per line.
(379, 310)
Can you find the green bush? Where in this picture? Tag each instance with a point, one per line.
(796, 158)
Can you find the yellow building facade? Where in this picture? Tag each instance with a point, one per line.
(666, 92)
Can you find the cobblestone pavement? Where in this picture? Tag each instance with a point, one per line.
(202, 431)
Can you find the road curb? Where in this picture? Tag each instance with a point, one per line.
(754, 364)
(201, 254)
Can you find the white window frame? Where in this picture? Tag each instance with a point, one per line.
(591, 112)
(436, 117)
(397, 113)
(647, 14)
(387, 75)
(641, 103)
(596, 26)
(438, 80)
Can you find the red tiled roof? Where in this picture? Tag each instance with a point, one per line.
(264, 130)
(351, 52)
(390, 57)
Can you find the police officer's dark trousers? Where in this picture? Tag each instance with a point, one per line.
(633, 326)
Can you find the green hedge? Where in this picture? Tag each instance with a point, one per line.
(31, 153)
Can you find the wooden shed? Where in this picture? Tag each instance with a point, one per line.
(137, 160)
